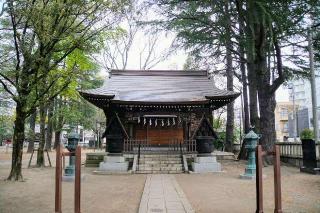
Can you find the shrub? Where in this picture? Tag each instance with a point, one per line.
(306, 134)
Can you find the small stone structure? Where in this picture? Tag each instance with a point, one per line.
(205, 163)
(93, 159)
(114, 163)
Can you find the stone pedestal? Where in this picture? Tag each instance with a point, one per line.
(114, 164)
(205, 164)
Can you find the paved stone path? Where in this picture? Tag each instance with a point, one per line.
(162, 194)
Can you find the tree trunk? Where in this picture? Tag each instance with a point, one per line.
(266, 97)
(253, 95)
(246, 118)
(43, 115)
(57, 135)
(267, 119)
(58, 122)
(32, 131)
(229, 70)
(18, 138)
(49, 126)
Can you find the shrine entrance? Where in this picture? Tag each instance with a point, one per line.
(159, 135)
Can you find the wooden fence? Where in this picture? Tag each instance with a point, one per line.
(77, 179)
(134, 146)
(277, 179)
(293, 150)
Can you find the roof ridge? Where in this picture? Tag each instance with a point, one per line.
(160, 72)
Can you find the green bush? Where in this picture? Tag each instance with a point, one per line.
(306, 134)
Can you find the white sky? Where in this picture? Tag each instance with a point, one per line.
(175, 61)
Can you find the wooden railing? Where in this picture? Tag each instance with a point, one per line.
(183, 146)
(133, 146)
(294, 149)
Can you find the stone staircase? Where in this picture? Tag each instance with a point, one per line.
(160, 163)
(93, 159)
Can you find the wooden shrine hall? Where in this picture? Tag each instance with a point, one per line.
(158, 108)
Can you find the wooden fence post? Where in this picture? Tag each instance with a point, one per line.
(77, 181)
(259, 186)
(277, 180)
(58, 180)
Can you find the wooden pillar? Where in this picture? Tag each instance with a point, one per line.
(77, 181)
(58, 180)
(259, 186)
(185, 130)
(277, 180)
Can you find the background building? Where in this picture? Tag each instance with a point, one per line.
(300, 93)
(282, 117)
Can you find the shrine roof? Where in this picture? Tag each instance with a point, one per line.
(158, 86)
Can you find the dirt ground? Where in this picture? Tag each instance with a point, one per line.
(226, 192)
(219, 192)
(100, 193)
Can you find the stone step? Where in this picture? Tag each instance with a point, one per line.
(142, 168)
(93, 161)
(161, 165)
(160, 162)
(159, 159)
(159, 172)
(91, 165)
(160, 156)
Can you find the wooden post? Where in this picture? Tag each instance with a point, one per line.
(30, 158)
(259, 186)
(63, 162)
(48, 158)
(58, 180)
(77, 181)
(277, 180)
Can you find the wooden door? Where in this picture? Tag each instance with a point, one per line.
(159, 135)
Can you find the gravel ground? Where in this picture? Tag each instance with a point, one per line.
(219, 192)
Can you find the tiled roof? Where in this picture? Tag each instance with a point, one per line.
(159, 86)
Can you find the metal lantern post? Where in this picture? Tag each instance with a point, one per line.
(252, 140)
(73, 139)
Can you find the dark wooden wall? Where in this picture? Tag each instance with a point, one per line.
(159, 135)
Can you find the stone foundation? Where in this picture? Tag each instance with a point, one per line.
(114, 163)
(205, 164)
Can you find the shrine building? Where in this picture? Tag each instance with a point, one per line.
(158, 109)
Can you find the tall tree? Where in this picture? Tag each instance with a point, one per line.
(49, 126)
(268, 27)
(205, 29)
(32, 133)
(133, 40)
(230, 76)
(43, 34)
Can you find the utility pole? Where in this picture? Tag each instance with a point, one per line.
(294, 114)
(313, 86)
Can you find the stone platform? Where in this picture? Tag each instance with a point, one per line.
(93, 159)
(205, 163)
(114, 163)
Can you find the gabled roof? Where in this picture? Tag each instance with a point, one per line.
(115, 118)
(204, 123)
(158, 86)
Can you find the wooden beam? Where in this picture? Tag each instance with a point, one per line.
(77, 181)
(277, 180)
(259, 185)
(58, 180)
